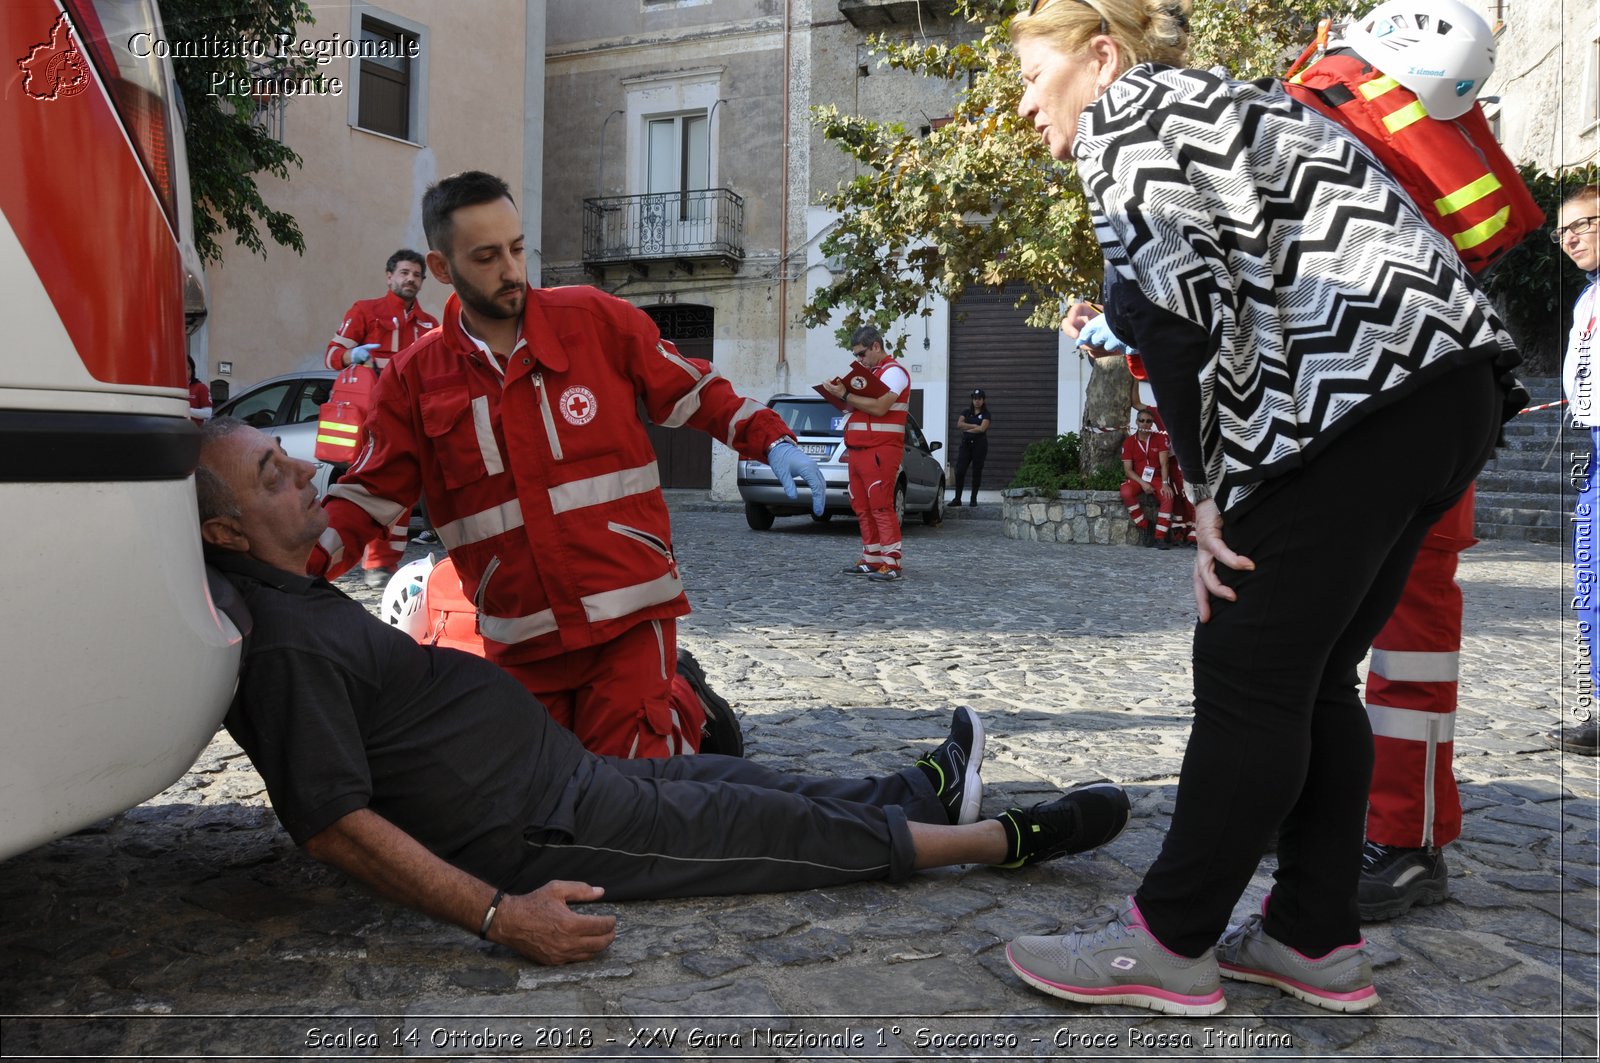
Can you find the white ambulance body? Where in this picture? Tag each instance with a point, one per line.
(115, 669)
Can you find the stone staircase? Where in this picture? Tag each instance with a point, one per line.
(1524, 492)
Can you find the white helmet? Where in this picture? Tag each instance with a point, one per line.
(405, 599)
(1442, 50)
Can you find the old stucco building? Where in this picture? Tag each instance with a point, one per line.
(682, 173)
(369, 150)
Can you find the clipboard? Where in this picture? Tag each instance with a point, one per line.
(858, 380)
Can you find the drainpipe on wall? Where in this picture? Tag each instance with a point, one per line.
(533, 141)
(783, 211)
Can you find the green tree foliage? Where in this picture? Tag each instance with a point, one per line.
(979, 200)
(1051, 465)
(226, 146)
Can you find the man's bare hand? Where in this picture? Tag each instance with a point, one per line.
(1077, 317)
(541, 926)
(1211, 550)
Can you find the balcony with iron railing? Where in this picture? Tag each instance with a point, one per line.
(683, 230)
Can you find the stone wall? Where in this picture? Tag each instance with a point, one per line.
(1070, 517)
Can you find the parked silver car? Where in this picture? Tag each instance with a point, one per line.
(819, 429)
(286, 407)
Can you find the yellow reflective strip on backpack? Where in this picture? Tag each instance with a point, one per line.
(338, 441)
(1407, 115)
(1483, 231)
(1371, 90)
(1468, 194)
(337, 426)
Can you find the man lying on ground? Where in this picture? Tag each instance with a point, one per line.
(439, 781)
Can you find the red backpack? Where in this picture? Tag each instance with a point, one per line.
(339, 419)
(452, 618)
(1454, 169)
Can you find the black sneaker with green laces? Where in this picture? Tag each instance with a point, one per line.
(1080, 820)
(954, 767)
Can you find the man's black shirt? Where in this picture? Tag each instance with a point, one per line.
(340, 712)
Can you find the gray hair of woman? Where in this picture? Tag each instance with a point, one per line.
(1145, 31)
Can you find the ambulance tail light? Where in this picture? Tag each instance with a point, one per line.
(122, 38)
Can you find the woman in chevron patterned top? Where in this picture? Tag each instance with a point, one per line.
(1302, 324)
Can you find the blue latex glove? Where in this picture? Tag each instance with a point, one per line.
(362, 354)
(789, 461)
(1098, 334)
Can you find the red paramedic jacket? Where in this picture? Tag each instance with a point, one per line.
(385, 321)
(543, 486)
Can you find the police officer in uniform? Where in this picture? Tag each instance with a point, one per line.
(973, 424)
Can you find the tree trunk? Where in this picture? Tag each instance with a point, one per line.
(1105, 406)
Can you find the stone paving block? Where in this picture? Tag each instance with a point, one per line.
(954, 901)
(938, 986)
(714, 965)
(815, 945)
(1512, 857)
(754, 923)
(597, 971)
(1466, 957)
(1539, 819)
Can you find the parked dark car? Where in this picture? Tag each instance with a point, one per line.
(819, 428)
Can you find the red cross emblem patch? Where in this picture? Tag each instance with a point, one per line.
(578, 405)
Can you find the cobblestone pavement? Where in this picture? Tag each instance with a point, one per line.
(190, 927)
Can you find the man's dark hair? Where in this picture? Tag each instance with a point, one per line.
(459, 190)
(865, 336)
(405, 254)
(215, 497)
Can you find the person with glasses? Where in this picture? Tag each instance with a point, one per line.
(1578, 236)
(1301, 323)
(1144, 466)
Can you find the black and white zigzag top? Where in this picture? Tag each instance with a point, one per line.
(1305, 284)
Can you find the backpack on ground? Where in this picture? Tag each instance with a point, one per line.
(339, 420)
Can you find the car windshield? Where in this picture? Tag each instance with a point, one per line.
(810, 417)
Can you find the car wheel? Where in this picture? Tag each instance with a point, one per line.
(900, 502)
(759, 517)
(825, 518)
(934, 514)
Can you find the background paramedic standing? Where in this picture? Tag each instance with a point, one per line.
(875, 446)
(517, 421)
(373, 332)
(973, 424)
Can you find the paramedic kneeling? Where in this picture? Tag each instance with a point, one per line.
(435, 778)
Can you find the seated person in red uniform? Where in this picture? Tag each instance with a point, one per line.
(435, 778)
(1143, 459)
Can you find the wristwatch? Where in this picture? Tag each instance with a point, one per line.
(1196, 493)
